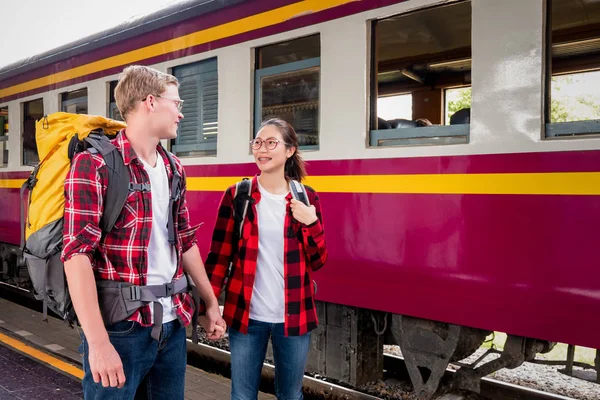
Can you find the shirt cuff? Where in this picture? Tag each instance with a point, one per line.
(187, 237)
(314, 229)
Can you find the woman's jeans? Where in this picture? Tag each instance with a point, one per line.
(248, 354)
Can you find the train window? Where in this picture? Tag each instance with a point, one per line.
(573, 87)
(113, 110)
(421, 62)
(3, 136)
(287, 80)
(74, 102)
(199, 89)
(32, 111)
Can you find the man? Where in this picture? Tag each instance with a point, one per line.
(133, 355)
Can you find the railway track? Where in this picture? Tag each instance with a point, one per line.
(213, 359)
(217, 360)
(490, 388)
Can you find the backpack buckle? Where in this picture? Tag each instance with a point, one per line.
(135, 293)
(139, 187)
(169, 289)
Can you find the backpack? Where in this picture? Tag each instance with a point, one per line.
(242, 198)
(60, 136)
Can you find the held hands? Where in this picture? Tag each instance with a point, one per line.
(213, 323)
(303, 213)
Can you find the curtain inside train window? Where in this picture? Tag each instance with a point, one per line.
(199, 90)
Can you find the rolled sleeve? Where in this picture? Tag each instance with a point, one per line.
(84, 242)
(315, 230)
(83, 207)
(187, 237)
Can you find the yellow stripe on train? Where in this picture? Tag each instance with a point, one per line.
(558, 183)
(573, 183)
(253, 22)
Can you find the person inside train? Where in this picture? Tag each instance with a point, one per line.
(269, 289)
(462, 116)
(423, 122)
(140, 353)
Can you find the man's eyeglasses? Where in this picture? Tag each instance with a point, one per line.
(178, 102)
(270, 144)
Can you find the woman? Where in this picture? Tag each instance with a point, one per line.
(270, 291)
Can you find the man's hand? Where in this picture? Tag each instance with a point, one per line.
(213, 323)
(106, 365)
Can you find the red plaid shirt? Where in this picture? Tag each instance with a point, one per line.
(304, 252)
(122, 254)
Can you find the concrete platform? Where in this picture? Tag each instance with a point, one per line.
(43, 349)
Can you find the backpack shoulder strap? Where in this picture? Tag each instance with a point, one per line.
(117, 187)
(174, 195)
(241, 199)
(299, 192)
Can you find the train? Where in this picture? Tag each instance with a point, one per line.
(455, 146)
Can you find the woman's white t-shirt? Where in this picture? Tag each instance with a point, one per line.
(268, 296)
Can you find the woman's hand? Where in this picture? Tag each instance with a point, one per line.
(302, 213)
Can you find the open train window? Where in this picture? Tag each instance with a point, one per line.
(573, 86)
(199, 90)
(32, 111)
(113, 110)
(75, 102)
(3, 136)
(421, 77)
(287, 79)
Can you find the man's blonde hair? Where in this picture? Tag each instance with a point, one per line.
(136, 82)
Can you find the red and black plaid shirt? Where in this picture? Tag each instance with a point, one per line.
(122, 255)
(304, 252)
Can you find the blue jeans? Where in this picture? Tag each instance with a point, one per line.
(248, 354)
(157, 369)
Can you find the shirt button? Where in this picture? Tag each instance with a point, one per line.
(288, 314)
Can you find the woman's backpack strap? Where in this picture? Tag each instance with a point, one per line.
(299, 192)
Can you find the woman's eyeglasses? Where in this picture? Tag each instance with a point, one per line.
(270, 144)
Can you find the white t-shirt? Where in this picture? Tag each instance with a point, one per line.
(268, 295)
(162, 257)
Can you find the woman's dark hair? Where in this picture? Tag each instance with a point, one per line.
(295, 168)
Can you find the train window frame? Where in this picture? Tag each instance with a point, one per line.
(582, 129)
(64, 104)
(311, 64)
(205, 72)
(4, 132)
(112, 110)
(25, 160)
(459, 134)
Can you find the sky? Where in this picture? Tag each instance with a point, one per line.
(30, 27)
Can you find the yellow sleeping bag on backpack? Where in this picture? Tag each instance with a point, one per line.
(53, 135)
